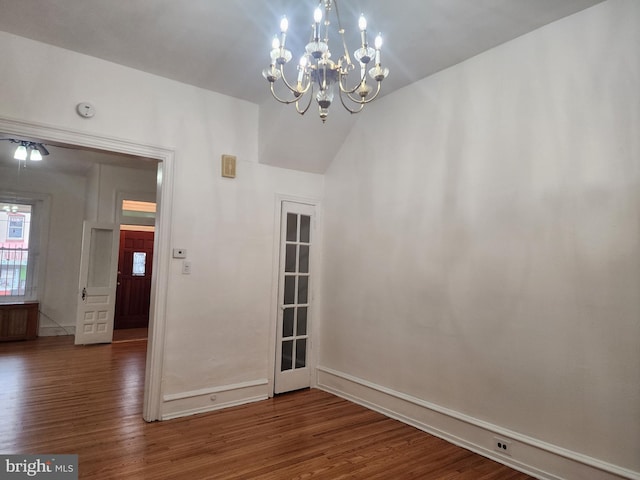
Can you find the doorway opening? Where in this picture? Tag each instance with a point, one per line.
(160, 264)
(133, 290)
(135, 267)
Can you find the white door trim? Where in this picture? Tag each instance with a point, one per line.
(164, 200)
(315, 290)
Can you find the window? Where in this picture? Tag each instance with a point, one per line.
(137, 215)
(14, 248)
(20, 245)
(139, 264)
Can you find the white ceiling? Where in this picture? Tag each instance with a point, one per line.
(223, 45)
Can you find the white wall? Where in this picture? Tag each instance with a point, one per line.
(106, 181)
(218, 318)
(66, 195)
(482, 248)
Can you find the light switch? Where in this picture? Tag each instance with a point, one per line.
(186, 267)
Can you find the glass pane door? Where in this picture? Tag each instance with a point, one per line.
(292, 370)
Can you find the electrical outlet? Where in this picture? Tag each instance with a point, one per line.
(501, 445)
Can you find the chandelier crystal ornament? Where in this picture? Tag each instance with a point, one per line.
(319, 75)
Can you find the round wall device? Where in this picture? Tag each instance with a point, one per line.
(85, 110)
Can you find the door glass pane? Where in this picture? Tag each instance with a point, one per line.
(302, 321)
(292, 227)
(139, 264)
(289, 289)
(287, 355)
(290, 259)
(303, 289)
(301, 352)
(287, 322)
(305, 228)
(99, 258)
(304, 259)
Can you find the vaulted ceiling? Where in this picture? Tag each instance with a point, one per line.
(222, 45)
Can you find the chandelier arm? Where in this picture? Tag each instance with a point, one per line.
(286, 102)
(347, 107)
(292, 89)
(347, 56)
(344, 89)
(305, 89)
(361, 101)
(303, 111)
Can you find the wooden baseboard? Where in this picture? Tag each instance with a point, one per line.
(56, 331)
(534, 457)
(213, 398)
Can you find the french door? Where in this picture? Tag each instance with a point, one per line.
(293, 342)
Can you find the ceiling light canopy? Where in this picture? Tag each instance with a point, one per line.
(320, 75)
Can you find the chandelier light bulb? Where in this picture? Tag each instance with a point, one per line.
(284, 25)
(317, 18)
(302, 67)
(275, 43)
(362, 23)
(378, 41)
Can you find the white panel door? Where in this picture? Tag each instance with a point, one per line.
(293, 342)
(97, 288)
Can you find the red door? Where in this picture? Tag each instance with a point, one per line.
(134, 280)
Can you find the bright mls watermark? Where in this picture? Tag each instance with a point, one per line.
(50, 467)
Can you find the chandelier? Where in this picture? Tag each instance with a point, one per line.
(320, 75)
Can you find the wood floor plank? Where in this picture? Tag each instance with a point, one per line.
(60, 398)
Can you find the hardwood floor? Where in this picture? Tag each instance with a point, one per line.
(130, 334)
(59, 398)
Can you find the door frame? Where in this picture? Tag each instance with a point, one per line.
(314, 292)
(164, 199)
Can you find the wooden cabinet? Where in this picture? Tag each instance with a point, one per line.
(18, 321)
